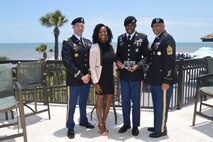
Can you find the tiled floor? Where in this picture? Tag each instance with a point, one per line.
(41, 129)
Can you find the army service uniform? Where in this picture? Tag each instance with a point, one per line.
(131, 50)
(161, 70)
(75, 55)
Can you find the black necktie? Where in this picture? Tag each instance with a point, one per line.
(129, 38)
(81, 41)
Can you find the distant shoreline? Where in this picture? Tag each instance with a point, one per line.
(26, 51)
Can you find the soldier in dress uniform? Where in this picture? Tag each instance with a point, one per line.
(75, 56)
(131, 46)
(161, 75)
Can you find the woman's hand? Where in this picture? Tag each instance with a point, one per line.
(120, 65)
(97, 88)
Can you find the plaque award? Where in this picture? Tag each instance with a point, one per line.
(129, 64)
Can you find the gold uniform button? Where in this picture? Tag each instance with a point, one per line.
(129, 45)
(76, 55)
(128, 59)
(128, 54)
(128, 49)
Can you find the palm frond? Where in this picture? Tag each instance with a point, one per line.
(41, 48)
(55, 18)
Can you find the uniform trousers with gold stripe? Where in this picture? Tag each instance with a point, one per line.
(75, 92)
(161, 100)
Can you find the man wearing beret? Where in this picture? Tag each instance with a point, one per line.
(131, 46)
(75, 56)
(161, 75)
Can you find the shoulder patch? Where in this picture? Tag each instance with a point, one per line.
(165, 34)
(120, 41)
(169, 50)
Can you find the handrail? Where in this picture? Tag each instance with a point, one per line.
(184, 90)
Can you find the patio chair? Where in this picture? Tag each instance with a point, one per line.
(204, 89)
(209, 63)
(9, 102)
(31, 76)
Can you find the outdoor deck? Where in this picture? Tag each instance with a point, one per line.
(40, 128)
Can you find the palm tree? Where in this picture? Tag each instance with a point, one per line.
(54, 19)
(42, 48)
(3, 58)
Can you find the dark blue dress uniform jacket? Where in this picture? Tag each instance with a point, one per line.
(133, 51)
(162, 68)
(75, 56)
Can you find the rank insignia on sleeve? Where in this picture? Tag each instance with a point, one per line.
(169, 50)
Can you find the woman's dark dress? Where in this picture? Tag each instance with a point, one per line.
(106, 81)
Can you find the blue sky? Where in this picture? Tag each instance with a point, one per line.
(186, 20)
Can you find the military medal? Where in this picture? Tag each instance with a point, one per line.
(76, 55)
(154, 53)
(159, 53)
(156, 45)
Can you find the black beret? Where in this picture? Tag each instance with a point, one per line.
(78, 20)
(157, 20)
(129, 19)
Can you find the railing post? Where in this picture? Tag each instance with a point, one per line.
(180, 85)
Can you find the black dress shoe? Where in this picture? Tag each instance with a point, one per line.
(87, 125)
(135, 131)
(157, 134)
(124, 128)
(151, 129)
(70, 133)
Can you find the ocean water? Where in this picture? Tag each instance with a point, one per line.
(27, 51)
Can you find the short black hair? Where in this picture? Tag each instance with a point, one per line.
(96, 31)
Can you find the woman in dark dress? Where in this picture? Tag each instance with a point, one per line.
(102, 59)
